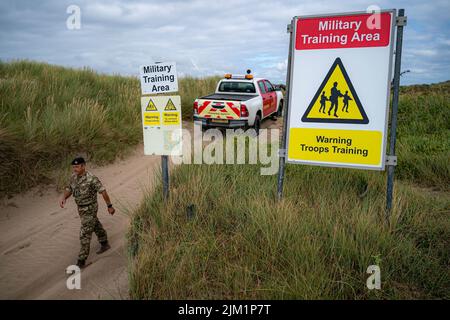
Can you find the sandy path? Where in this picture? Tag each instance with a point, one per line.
(38, 239)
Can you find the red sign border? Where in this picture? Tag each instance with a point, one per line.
(391, 34)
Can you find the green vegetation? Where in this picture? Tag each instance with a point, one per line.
(222, 235)
(49, 114)
(423, 135)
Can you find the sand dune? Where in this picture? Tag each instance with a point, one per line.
(39, 240)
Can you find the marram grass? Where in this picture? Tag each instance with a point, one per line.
(49, 114)
(222, 234)
(317, 243)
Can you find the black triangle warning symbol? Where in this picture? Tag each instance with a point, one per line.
(151, 106)
(170, 106)
(336, 100)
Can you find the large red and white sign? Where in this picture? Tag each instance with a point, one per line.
(339, 90)
(349, 31)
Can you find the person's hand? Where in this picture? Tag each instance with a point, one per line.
(62, 202)
(111, 210)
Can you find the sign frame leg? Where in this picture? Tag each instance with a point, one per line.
(283, 150)
(401, 22)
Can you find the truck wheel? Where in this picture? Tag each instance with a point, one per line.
(280, 110)
(257, 124)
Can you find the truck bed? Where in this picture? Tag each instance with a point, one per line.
(225, 96)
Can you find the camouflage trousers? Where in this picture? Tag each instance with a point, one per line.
(89, 224)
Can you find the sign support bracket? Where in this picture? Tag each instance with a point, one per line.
(391, 160)
(401, 22)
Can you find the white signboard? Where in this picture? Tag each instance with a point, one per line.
(339, 89)
(161, 122)
(159, 77)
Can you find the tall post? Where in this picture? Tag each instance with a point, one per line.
(282, 151)
(165, 176)
(401, 22)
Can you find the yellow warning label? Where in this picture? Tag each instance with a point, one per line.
(151, 106)
(171, 118)
(170, 106)
(336, 100)
(151, 119)
(338, 146)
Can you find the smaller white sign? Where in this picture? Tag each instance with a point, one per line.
(158, 77)
(161, 122)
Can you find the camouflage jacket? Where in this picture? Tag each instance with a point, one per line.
(84, 188)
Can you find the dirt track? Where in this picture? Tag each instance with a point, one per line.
(38, 239)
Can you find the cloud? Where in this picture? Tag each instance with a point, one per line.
(203, 37)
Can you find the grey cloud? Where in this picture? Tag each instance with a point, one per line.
(204, 37)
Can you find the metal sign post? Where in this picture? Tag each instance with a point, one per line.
(161, 115)
(165, 175)
(161, 120)
(392, 159)
(282, 151)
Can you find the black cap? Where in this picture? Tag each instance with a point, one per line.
(79, 160)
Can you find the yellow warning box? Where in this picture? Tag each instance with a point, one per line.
(151, 119)
(171, 118)
(312, 145)
(336, 100)
(151, 106)
(170, 106)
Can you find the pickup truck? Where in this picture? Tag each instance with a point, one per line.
(239, 101)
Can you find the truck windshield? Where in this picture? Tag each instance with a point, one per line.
(236, 86)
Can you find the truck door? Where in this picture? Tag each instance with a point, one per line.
(265, 97)
(272, 97)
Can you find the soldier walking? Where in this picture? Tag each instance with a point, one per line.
(84, 186)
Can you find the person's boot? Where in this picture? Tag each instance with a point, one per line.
(105, 246)
(81, 263)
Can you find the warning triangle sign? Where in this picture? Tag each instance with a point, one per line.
(151, 106)
(336, 101)
(170, 106)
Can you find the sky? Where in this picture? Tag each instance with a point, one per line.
(203, 37)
